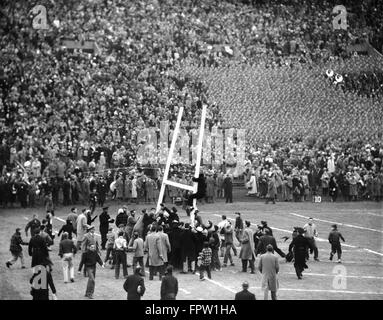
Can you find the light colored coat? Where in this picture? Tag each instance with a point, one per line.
(88, 240)
(210, 186)
(252, 184)
(139, 226)
(269, 267)
(165, 245)
(119, 188)
(247, 245)
(82, 226)
(134, 188)
(154, 248)
(150, 185)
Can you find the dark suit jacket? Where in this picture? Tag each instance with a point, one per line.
(131, 284)
(263, 242)
(38, 250)
(244, 295)
(169, 287)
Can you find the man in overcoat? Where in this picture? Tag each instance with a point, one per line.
(153, 246)
(269, 267)
(165, 245)
(81, 228)
(188, 249)
(104, 226)
(247, 248)
(228, 188)
(299, 246)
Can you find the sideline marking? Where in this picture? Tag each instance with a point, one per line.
(332, 276)
(339, 223)
(217, 283)
(184, 291)
(322, 290)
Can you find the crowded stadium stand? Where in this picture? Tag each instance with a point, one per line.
(75, 96)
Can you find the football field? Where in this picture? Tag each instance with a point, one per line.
(360, 276)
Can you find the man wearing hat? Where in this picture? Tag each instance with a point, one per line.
(266, 227)
(334, 239)
(102, 189)
(104, 226)
(299, 246)
(245, 294)
(16, 249)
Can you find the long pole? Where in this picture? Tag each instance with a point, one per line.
(199, 150)
(170, 156)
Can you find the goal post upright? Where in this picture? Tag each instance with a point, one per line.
(165, 180)
(199, 150)
(170, 156)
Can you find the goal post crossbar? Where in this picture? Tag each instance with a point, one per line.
(179, 185)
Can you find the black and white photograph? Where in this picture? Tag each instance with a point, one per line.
(211, 150)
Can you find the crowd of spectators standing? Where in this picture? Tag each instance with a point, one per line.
(70, 119)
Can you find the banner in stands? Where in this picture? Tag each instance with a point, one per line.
(220, 146)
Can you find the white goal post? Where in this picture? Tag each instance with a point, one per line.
(165, 180)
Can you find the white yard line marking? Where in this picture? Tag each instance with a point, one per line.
(373, 214)
(343, 250)
(332, 275)
(347, 262)
(321, 290)
(318, 239)
(372, 251)
(184, 291)
(218, 284)
(339, 223)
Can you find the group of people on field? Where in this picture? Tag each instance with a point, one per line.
(160, 242)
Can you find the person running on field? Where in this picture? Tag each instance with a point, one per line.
(334, 239)
(16, 249)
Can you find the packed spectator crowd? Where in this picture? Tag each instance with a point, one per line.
(71, 117)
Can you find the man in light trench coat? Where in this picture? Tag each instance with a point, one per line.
(269, 267)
